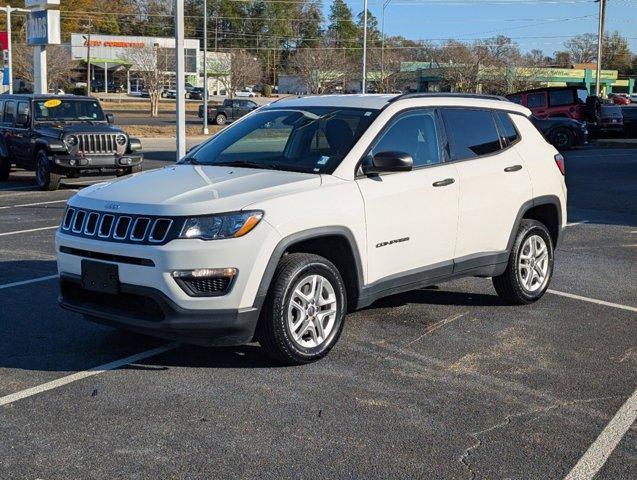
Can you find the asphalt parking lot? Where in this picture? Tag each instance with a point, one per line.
(444, 382)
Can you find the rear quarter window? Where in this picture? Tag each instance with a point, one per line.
(507, 130)
(558, 98)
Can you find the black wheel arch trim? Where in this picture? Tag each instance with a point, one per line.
(536, 202)
(290, 240)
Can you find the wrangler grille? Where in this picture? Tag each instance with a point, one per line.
(97, 143)
(120, 227)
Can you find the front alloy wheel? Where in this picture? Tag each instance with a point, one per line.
(303, 314)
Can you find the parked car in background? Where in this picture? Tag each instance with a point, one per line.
(549, 102)
(619, 99)
(230, 110)
(630, 121)
(245, 92)
(562, 133)
(611, 120)
(197, 93)
(97, 86)
(64, 135)
(633, 98)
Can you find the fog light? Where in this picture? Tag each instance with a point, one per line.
(124, 161)
(205, 272)
(72, 162)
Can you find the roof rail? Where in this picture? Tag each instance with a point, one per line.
(450, 95)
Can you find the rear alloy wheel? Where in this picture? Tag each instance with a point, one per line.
(563, 139)
(302, 317)
(5, 169)
(220, 119)
(530, 266)
(44, 177)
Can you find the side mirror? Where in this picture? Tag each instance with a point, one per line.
(110, 118)
(386, 162)
(22, 120)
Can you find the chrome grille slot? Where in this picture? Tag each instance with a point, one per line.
(78, 221)
(106, 225)
(66, 224)
(160, 230)
(91, 223)
(140, 227)
(121, 228)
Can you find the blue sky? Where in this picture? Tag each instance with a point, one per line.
(470, 19)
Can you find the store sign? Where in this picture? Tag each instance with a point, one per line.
(41, 3)
(43, 27)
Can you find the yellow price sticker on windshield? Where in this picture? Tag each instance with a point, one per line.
(54, 102)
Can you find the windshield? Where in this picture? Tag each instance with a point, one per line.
(56, 109)
(313, 140)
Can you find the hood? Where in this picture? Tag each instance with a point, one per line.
(80, 127)
(192, 190)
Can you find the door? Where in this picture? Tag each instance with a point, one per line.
(411, 216)
(242, 108)
(537, 103)
(21, 141)
(493, 182)
(9, 131)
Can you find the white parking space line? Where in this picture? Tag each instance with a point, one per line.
(33, 204)
(574, 224)
(597, 454)
(29, 392)
(26, 282)
(593, 300)
(15, 232)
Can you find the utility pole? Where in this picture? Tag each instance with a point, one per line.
(364, 79)
(600, 41)
(88, 57)
(180, 63)
(8, 10)
(382, 41)
(204, 130)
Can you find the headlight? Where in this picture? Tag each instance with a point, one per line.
(71, 140)
(225, 225)
(121, 139)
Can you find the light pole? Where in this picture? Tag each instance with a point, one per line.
(180, 80)
(382, 41)
(600, 40)
(8, 10)
(204, 130)
(364, 79)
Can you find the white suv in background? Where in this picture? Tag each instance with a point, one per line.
(308, 208)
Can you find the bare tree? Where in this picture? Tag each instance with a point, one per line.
(582, 48)
(321, 70)
(59, 64)
(154, 71)
(245, 69)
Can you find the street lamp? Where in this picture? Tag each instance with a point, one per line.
(204, 130)
(382, 41)
(364, 79)
(8, 10)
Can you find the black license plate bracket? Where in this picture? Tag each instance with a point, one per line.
(100, 277)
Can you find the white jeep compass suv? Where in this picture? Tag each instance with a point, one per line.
(308, 208)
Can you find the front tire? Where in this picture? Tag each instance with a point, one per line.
(563, 139)
(530, 265)
(44, 177)
(5, 169)
(302, 317)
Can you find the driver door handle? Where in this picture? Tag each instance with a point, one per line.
(443, 183)
(513, 168)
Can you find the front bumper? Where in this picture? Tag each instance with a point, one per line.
(149, 311)
(96, 162)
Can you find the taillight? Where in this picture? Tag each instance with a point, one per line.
(559, 161)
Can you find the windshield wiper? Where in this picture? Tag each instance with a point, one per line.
(244, 164)
(188, 161)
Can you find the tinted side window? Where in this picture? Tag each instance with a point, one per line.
(471, 132)
(516, 98)
(23, 109)
(536, 100)
(414, 133)
(561, 97)
(507, 129)
(9, 112)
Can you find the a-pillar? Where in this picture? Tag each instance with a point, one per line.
(40, 83)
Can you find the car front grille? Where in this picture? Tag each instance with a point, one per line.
(120, 227)
(97, 143)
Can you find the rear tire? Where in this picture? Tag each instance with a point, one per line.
(530, 267)
(303, 314)
(563, 139)
(221, 119)
(44, 177)
(5, 169)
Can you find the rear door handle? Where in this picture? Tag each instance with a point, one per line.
(513, 168)
(443, 183)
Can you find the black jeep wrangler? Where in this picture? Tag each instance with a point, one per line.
(57, 135)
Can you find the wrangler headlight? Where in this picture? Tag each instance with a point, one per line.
(225, 225)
